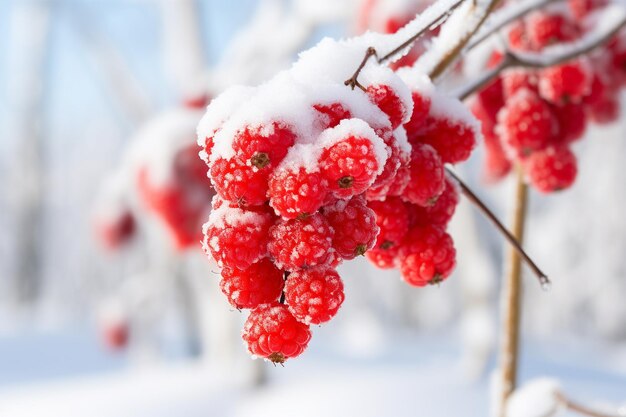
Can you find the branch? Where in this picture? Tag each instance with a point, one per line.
(421, 28)
(474, 199)
(550, 56)
(452, 55)
(578, 408)
(420, 32)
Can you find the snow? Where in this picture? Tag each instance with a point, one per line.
(408, 376)
(537, 398)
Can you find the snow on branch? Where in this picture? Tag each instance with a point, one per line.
(503, 17)
(613, 19)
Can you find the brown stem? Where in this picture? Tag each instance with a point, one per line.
(511, 301)
(353, 81)
(580, 409)
(515, 244)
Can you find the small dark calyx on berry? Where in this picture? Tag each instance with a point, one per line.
(346, 182)
(360, 250)
(303, 216)
(277, 357)
(437, 279)
(432, 201)
(260, 160)
(386, 244)
(241, 202)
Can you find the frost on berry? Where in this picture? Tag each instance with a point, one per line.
(426, 176)
(547, 28)
(352, 157)
(355, 227)
(314, 295)
(526, 123)
(261, 283)
(297, 192)
(236, 181)
(301, 243)
(383, 258)
(393, 220)
(271, 332)
(330, 115)
(389, 102)
(236, 238)
(551, 170)
(565, 83)
(428, 256)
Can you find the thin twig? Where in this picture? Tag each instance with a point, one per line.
(413, 38)
(353, 81)
(371, 51)
(580, 409)
(474, 199)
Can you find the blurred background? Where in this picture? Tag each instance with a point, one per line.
(108, 307)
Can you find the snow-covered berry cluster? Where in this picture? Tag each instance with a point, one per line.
(532, 116)
(309, 173)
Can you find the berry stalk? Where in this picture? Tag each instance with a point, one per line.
(511, 301)
(513, 241)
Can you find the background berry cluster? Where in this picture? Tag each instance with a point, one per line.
(532, 116)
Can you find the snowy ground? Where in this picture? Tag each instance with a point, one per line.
(412, 376)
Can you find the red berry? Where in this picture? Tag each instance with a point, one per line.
(565, 83)
(454, 140)
(261, 283)
(552, 169)
(263, 147)
(301, 243)
(383, 258)
(355, 227)
(389, 102)
(497, 163)
(514, 80)
(527, 123)
(350, 166)
(546, 29)
(329, 115)
(442, 211)
(428, 256)
(606, 110)
(426, 176)
(271, 332)
(238, 182)
(116, 334)
(237, 238)
(115, 232)
(518, 37)
(400, 181)
(314, 295)
(421, 109)
(572, 122)
(393, 220)
(296, 193)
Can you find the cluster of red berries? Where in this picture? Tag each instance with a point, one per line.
(532, 116)
(335, 174)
